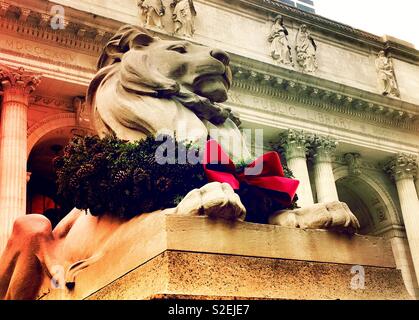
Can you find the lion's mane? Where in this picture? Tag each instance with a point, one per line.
(126, 80)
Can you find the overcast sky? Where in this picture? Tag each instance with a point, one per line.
(398, 18)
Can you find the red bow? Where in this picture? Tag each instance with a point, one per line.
(265, 172)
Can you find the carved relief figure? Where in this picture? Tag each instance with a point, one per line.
(306, 50)
(151, 12)
(184, 14)
(280, 48)
(145, 85)
(386, 77)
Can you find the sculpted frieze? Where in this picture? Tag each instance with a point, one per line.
(184, 14)
(172, 16)
(151, 12)
(387, 82)
(306, 48)
(280, 48)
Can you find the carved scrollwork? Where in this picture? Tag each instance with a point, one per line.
(295, 143)
(18, 78)
(322, 148)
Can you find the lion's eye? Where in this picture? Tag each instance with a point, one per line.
(178, 48)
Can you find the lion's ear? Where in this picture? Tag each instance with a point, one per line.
(125, 39)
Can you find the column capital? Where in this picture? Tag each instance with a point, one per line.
(402, 166)
(18, 78)
(322, 148)
(295, 143)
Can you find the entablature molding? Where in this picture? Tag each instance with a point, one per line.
(391, 231)
(295, 87)
(342, 159)
(34, 23)
(51, 102)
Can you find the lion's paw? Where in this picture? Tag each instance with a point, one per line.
(334, 216)
(215, 200)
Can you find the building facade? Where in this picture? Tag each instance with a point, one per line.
(342, 103)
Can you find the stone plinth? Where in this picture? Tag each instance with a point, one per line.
(195, 257)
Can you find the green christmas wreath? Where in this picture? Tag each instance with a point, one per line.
(126, 179)
(123, 178)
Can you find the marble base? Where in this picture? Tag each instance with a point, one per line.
(199, 258)
(188, 275)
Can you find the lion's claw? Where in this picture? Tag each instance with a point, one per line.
(215, 200)
(335, 216)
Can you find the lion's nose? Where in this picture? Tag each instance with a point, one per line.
(220, 55)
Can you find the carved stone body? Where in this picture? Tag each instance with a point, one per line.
(30, 264)
(183, 16)
(334, 215)
(280, 49)
(164, 86)
(306, 50)
(386, 78)
(142, 87)
(151, 12)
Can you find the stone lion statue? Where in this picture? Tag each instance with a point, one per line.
(145, 85)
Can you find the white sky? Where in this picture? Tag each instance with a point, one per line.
(398, 18)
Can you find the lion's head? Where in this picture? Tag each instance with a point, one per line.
(135, 65)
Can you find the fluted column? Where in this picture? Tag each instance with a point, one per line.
(17, 85)
(295, 146)
(403, 169)
(322, 151)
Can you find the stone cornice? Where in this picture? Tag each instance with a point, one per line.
(24, 20)
(295, 87)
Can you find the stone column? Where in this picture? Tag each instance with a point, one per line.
(295, 146)
(404, 263)
(17, 85)
(403, 169)
(322, 151)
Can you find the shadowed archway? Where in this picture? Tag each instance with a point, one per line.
(369, 201)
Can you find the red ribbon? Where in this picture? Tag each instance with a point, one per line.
(265, 172)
